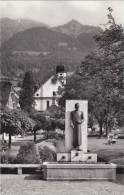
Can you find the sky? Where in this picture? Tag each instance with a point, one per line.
(56, 13)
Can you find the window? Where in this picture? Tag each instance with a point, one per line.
(37, 94)
(54, 93)
(48, 104)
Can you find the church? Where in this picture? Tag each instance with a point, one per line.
(48, 94)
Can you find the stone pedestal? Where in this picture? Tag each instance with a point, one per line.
(63, 157)
(70, 106)
(79, 156)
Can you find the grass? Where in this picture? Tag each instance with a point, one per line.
(110, 153)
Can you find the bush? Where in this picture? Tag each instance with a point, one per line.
(27, 154)
(53, 135)
(60, 123)
(7, 158)
(47, 155)
(3, 158)
(11, 159)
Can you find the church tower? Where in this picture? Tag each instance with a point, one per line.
(61, 74)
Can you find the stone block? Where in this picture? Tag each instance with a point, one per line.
(76, 155)
(63, 157)
(80, 156)
(79, 171)
(90, 157)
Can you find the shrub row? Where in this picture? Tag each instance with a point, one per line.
(28, 154)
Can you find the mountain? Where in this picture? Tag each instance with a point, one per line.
(41, 49)
(39, 39)
(46, 40)
(75, 28)
(9, 27)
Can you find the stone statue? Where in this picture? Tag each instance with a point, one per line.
(77, 119)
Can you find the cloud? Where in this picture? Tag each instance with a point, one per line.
(59, 12)
(86, 5)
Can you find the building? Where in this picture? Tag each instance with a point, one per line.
(47, 95)
(9, 96)
(13, 99)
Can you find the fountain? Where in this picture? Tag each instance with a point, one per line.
(76, 163)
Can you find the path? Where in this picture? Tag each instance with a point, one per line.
(32, 185)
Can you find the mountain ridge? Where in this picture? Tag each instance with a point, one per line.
(41, 49)
(9, 27)
(75, 28)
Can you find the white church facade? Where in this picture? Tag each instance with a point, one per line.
(47, 95)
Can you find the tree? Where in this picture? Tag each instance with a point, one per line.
(26, 98)
(35, 129)
(100, 79)
(106, 69)
(15, 122)
(41, 122)
(10, 125)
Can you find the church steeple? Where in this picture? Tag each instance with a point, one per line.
(61, 74)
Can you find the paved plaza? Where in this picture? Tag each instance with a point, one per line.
(34, 185)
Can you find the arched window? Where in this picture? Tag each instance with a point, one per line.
(48, 104)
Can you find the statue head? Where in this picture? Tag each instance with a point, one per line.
(77, 106)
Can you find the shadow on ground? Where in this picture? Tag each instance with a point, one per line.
(33, 177)
(119, 178)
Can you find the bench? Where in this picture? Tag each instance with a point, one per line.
(112, 139)
(19, 167)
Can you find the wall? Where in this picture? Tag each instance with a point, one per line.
(49, 87)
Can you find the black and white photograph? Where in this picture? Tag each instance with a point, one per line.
(61, 97)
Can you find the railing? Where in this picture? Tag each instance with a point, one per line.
(37, 168)
(19, 167)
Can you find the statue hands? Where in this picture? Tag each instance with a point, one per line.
(71, 125)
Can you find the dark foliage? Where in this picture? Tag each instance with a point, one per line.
(27, 154)
(100, 79)
(26, 99)
(47, 155)
(15, 122)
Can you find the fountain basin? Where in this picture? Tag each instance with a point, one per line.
(79, 171)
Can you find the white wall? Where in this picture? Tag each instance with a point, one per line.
(49, 87)
(38, 104)
(44, 94)
(38, 93)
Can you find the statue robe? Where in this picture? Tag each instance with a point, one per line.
(77, 119)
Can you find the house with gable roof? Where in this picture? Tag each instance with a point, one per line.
(9, 96)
